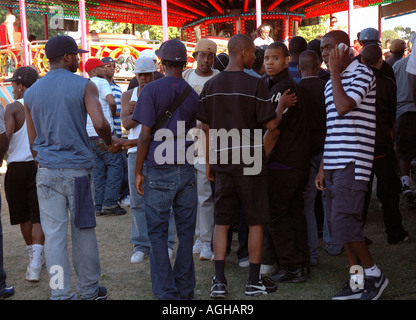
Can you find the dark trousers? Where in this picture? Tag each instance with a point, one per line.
(287, 229)
(388, 192)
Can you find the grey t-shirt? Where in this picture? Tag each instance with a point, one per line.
(404, 82)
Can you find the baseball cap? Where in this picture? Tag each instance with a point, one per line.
(144, 65)
(172, 50)
(93, 63)
(148, 53)
(369, 34)
(206, 45)
(24, 75)
(108, 60)
(59, 45)
(398, 45)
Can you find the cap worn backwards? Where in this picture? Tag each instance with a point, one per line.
(24, 75)
(172, 50)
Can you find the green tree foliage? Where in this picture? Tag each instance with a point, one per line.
(388, 35)
(404, 33)
(312, 32)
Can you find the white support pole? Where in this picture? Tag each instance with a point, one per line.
(350, 10)
(23, 23)
(165, 20)
(84, 43)
(258, 13)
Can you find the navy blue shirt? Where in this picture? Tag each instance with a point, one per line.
(154, 100)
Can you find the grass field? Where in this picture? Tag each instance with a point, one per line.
(127, 281)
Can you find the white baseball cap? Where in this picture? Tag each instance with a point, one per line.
(144, 65)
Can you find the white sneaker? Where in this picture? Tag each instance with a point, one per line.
(197, 246)
(125, 202)
(33, 274)
(138, 256)
(206, 253)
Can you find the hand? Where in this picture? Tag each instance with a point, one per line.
(338, 59)
(288, 100)
(139, 183)
(319, 180)
(131, 106)
(209, 173)
(115, 147)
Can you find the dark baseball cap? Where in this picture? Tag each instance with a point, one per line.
(369, 34)
(60, 45)
(108, 60)
(172, 50)
(24, 75)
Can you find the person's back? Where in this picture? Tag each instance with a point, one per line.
(62, 140)
(404, 82)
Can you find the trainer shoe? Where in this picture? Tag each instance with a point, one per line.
(218, 289)
(6, 292)
(33, 274)
(206, 253)
(268, 268)
(197, 246)
(347, 293)
(125, 202)
(244, 262)
(102, 294)
(263, 286)
(374, 287)
(138, 256)
(409, 197)
(117, 211)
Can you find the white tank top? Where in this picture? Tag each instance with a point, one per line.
(134, 132)
(19, 148)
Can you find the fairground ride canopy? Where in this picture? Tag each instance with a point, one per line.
(183, 12)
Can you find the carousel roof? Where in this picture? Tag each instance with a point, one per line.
(183, 12)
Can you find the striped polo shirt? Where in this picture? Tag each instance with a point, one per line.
(351, 137)
(116, 89)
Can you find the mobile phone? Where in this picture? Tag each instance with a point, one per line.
(342, 47)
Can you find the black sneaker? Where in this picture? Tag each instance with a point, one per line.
(374, 287)
(263, 286)
(347, 293)
(6, 292)
(117, 211)
(218, 289)
(102, 294)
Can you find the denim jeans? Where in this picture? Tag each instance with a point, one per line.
(108, 177)
(166, 187)
(55, 189)
(309, 208)
(2, 272)
(139, 236)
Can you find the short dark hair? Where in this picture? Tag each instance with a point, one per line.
(259, 59)
(371, 54)
(297, 45)
(174, 64)
(279, 45)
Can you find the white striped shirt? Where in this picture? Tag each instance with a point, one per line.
(351, 137)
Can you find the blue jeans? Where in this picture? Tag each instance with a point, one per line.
(139, 236)
(309, 209)
(2, 272)
(55, 189)
(166, 187)
(108, 177)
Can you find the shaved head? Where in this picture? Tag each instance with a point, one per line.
(238, 43)
(309, 59)
(339, 36)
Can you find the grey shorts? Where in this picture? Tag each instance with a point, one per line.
(344, 203)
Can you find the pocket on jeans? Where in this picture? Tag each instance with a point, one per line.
(163, 186)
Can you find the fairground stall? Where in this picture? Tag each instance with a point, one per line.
(215, 19)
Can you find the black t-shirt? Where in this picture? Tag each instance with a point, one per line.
(386, 104)
(312, 91)
(292, 148)
(236, 101)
